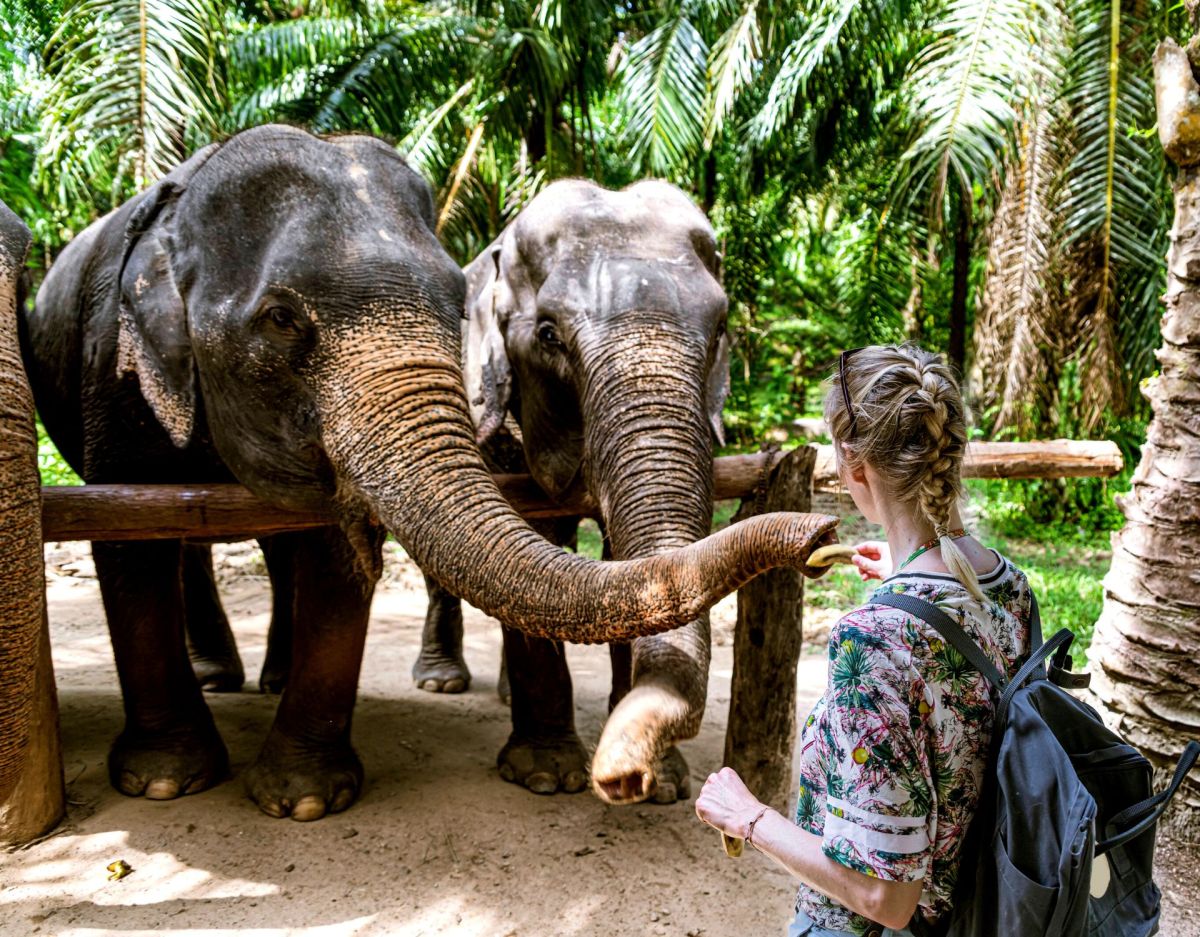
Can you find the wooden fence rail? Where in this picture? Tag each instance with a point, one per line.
(155, 512)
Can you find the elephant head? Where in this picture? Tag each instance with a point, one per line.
(293, 290)
(598, 318)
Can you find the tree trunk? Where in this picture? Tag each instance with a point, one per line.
(1147, 641)
(958, 297)
(761, 733)
(31, 783)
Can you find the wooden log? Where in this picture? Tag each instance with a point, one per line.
(155, 512)
(761, 731)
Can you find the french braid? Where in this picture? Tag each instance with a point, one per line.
(910, 426)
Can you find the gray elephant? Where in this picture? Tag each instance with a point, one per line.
(278, 311)
(596, 322)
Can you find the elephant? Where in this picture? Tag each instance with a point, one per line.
(278, 311)
(597, 324)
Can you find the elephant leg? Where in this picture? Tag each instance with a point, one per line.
(543, 753)
(621, 659)
(636, 758)
(279, 552)
(170, 745)
(211, 645)
(503, 686)
(440, 668)
(307, 767)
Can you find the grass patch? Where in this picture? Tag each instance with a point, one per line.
(52, 466)
(1066, 578)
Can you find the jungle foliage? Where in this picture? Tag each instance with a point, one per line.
(979, 175)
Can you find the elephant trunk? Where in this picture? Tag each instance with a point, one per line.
(650, 467)
(396, 425)
(21, 571)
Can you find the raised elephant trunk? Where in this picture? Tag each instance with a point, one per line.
(649, 457)
(649, 446)
(396, 424)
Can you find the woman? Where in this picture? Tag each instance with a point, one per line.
(893, 753)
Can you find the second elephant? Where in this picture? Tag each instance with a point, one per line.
(596, 321)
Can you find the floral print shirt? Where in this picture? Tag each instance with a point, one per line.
(893, 753)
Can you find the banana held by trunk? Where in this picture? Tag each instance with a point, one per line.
(834, 553)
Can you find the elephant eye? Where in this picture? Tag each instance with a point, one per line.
(721, 327)
(547, 334)
(282, 318)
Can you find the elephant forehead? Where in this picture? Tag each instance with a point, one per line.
(608, 283)
(654, 215)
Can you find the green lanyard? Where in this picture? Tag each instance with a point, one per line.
(929, 545)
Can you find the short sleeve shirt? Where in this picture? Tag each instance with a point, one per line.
(893, 754)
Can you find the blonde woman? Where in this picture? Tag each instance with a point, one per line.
(893, 753)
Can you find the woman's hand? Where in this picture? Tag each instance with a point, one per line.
(873, 559)
(726, 804)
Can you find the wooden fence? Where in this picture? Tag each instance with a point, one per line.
(762, 719)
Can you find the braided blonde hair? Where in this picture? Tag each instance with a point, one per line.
(909, 424)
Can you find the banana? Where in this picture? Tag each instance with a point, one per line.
(834, 553)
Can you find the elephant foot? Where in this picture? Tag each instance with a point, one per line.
(164, 765)
(545, 766)
(434, 672)
(634, 760)
(303, 782)
(273, 678)
(219, 676)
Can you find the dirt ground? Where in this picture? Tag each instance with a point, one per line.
(437, 845)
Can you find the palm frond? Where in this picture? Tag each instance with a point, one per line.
(845, 52)
(135, 83)
(732, 67)
(962, 91)
(662, 90)
(1019, 310)
(1113, 218)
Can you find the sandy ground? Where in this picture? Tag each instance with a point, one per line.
(438, 843)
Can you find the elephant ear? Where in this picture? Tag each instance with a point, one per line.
(717, 388)
(486, 368)
(152, 337)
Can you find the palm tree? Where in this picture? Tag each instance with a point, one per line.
(1147, 642)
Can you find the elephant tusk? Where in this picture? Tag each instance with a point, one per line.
(733, 845)
(834, 553)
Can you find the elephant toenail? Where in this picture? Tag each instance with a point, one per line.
(308, 808)
(542, 783)
(162, 789)
(455, 685)
(507, 773)
(131, 784)
(344, 798)
(430, 686)
(574, 782)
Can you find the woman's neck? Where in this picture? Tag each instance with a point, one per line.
(907, 531)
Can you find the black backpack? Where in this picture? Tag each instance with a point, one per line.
(1063, 842)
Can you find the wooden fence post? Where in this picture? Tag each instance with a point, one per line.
(31, 776)
(761, 732)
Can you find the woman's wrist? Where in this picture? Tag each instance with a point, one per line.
(752, 824)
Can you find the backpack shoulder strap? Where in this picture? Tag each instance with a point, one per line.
(946, 627)
(1035, 622)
